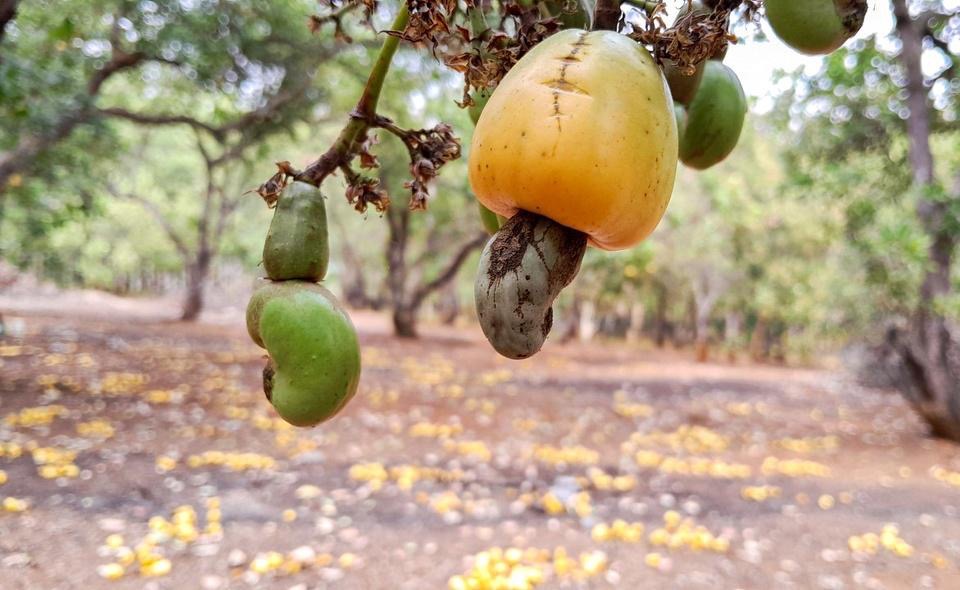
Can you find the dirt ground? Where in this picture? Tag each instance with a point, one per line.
(143, 450)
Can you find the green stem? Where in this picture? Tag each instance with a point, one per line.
(367, 106)
(478, 24)
(364, 113)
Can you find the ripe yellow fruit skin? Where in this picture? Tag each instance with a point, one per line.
(582, 131)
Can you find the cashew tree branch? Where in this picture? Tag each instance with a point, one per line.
(361, 119)
(451, 270)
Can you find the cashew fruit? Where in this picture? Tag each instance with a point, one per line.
(681, 115)
(314, 365)
(490, 220)
(296, 247)
(582, 131)
(815, 27)
(572, 14)
(522, 270)
(683, 87)
(714, 118)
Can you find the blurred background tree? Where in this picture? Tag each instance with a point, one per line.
(132, 131)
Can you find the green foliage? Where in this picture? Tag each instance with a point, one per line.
(211, 61)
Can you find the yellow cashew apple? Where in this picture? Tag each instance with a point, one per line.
(581, 131)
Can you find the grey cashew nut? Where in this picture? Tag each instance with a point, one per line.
(522, 270)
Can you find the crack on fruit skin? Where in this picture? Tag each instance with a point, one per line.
(561, 86)
(561, 82)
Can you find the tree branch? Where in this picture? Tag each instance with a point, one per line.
(119, 62)
(159, 120)
(451, 271)
(353, 134)
(157, 215)
(260, 115)
(29, 147)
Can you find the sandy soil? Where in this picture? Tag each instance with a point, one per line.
(448, 452)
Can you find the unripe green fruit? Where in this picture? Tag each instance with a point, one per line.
(815, 27)
(720, 55)
(681, 114)
(490, 220)
(296, 247)
(480, 98)
(522, 270)
(314, 366)
(683, 87)
(714, 118)
(578, 18)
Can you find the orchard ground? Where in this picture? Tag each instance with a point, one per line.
(142, 449)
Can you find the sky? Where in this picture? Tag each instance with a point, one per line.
(756, 61)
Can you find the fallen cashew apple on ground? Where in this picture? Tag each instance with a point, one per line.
(578, 144)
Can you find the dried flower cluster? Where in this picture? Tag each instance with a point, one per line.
(494, 52)
(429, 21)
(363, 191)
(429, 150)
(693, 39)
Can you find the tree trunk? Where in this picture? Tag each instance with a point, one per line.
(758, 340)
(731, 334)
(197, 273)
(404, 314)
(703, 308)
(927, 363)
(702, 339)
(448, 306)
(587, 327)
(635, 329)
(355, 289)
(404, 321)
(660, 328)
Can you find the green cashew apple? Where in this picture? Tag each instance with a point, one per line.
(296, 247)
(314, 366)
(815, 27)
(714, 118)
(522, 270)
(490, 220)
(721, 54)
(683, 87)
(480, 98)
(573, 14)
(681, 114)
